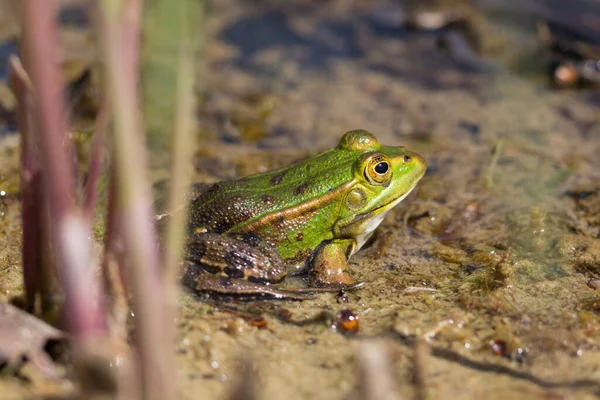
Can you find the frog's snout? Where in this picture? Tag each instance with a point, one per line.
(418, 162)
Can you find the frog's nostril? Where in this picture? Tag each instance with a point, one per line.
(407, 158)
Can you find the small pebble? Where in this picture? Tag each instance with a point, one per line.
(347, 321)
(594, 284)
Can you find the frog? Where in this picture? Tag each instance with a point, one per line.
(246, 236)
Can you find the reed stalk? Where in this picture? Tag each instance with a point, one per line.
(134, 202)
(70, 235)
(96, 163)
(30, 185)
(182, 146)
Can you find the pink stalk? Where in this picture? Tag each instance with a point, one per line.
(30, 183)
(71, 236)
(135, 207)
(130, 35)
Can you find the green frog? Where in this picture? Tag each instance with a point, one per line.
(310, 216)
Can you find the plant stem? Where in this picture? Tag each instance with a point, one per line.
(96, 163)
(30, 184)
(489, 176)
(134, 205)
(70, 234)
(181, 154)
(181, 148)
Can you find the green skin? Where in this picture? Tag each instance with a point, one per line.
(312, 215)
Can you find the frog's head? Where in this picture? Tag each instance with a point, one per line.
(383, 176)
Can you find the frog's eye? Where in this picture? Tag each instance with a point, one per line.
(378, 170)
(381, 168)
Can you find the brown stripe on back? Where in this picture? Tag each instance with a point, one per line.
(293, 212)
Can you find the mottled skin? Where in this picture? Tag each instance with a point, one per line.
(315, 213)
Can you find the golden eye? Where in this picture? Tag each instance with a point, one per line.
(378, 171)
(381, 168)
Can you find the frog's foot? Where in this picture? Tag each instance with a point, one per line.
(202, 282)
(329, 265)
(331, 278)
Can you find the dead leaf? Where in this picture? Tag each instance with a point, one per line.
(25, 338)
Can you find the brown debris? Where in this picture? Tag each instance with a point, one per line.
(26, 339)
(580, 251)
(258, 322)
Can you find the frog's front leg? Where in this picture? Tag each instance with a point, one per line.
(329, 263)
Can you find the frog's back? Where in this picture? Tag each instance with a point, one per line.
(231, 205)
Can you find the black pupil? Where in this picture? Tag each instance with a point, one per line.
(381, 168)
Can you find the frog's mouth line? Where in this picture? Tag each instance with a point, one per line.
(359, 218)
(392, 203)
(389, 205)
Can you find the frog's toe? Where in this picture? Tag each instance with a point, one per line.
(332, 278)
